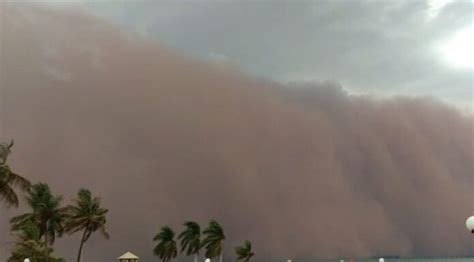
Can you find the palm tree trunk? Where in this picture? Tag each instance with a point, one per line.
(220, 258)
(79, 254)
(46, 244)
(196, 257)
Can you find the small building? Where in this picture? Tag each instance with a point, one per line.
(128, 257)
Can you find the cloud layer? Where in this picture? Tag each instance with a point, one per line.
(306, 171)
(380, 47)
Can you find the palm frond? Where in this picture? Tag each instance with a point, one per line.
(214, 239)
(8, 195)
(191, 238)
(9, 180)
(166, 248)
(244, 252)
(46, 213)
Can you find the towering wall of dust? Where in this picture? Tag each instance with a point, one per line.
(301, 171)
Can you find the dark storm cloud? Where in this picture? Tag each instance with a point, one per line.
(386, 47)
(301, 170)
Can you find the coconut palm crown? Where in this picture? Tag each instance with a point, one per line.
(166, 248)
(214, 240)
(191, 239)
(30, 245)
(9, 180)
(244, 252)
(46, 213)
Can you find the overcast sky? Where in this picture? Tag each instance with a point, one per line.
(406, 47)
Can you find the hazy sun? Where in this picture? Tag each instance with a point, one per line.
(459, 50)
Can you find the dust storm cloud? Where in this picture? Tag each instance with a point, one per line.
(303, 170)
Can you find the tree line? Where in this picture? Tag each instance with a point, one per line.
(47, 220)
(192, 241)
(36, 231)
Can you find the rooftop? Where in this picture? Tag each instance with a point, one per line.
(128, 255)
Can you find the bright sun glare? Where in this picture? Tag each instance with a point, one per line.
(459, 50)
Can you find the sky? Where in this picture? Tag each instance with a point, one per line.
(408, 47)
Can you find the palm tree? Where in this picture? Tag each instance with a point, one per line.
(214, 241)
(166, 248)
(31, 246)
(85, 215)
(244, 252)
(9, 179)
(191, 239)
(45, 214)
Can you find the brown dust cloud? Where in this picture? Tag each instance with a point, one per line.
(301, 170)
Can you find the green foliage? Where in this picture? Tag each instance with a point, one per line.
(191, 238)
(244, 252)
(166, 248)
(30, 245)
(8, 181)
(86, 215)
(46, 213)
(214, 240)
